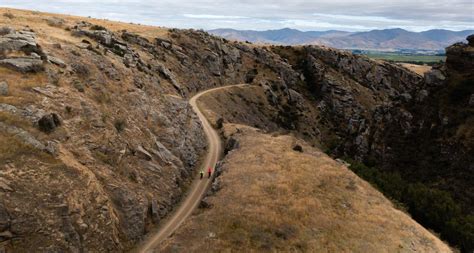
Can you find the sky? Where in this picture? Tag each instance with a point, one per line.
(305, 15)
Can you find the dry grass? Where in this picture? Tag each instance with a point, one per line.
(276, 199)
(20, 86)
(419, 69)
(19, 153)
(41, 22)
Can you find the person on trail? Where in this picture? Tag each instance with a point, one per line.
(209, 171)
(201, 173)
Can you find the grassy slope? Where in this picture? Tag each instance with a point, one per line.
(274, 198)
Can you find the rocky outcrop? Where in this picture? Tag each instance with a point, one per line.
(24, 42)
(23, 65)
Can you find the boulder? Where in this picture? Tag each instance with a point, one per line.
(250, 76)
(298, 148)
(49, 122)
(230, 145)
(219, 123)
(56, 61)
(17, 41)
(434, 77)
(164, 43)
(51, 148)
(204, 204)
(142, 153)
(470, 39)
(4, 89)
(23, 64)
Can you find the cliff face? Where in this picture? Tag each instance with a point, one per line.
(99, 142)
(98, 139)
(383, 114)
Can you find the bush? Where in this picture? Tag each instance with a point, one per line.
(120, 125)
(433, 208)
(8, 15)
(98, 28)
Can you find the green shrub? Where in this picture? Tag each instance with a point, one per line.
(433, 208)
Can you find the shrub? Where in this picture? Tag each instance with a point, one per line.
(120, 125)
(98, 28)
(80, 69)
(431, 207)
(8, 15)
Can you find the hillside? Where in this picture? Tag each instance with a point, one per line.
(269, 197)
(388, 39)
(99, 142)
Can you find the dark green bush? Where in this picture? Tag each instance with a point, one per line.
(433, 208)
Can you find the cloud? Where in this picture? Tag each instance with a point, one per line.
(208, 16)
(352, 15)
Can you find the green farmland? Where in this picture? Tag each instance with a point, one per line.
(416, 59)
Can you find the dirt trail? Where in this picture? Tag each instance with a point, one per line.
(198, 187)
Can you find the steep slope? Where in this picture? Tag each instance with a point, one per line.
(270, 198)
(97, 123)
(99, 142)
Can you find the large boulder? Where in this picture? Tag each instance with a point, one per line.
(23, 64)
(49, 122)
(21, 41)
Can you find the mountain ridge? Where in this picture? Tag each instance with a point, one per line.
(395, 38)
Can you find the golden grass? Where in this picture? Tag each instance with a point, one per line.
(419, 69)
(13, 120)
(40, 20)
(274, 199)
(20, 86)
(14, 151)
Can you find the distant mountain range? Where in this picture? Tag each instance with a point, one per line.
(387, 39)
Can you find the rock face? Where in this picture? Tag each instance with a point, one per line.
(95, 193)
(24, 42)
(23, 65)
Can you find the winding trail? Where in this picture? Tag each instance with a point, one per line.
(198, 187)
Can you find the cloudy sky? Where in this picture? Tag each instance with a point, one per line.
(349, 15)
